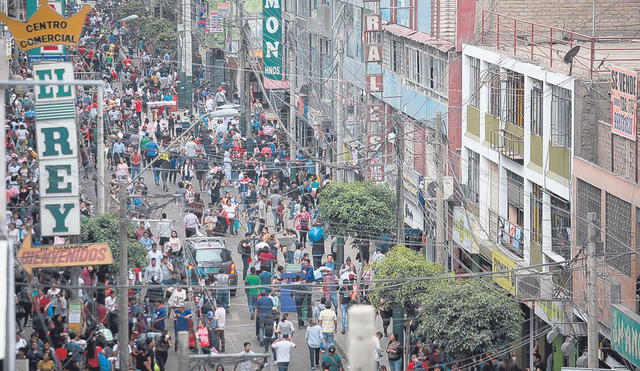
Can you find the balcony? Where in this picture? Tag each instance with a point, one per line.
(508, 144)
(549, 45)
(511, 236)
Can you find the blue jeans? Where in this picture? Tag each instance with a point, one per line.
(334, 300)
(223, 298)
(328, 338)
(395, 364)
(343, 311)
(251, 227)
(134, 172)
(283, 366)
(251, 299)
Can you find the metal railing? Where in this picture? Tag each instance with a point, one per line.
(552, 43)
(508, 144)
(511, 236)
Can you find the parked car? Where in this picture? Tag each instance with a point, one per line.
(211, 256)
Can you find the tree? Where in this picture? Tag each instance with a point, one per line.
(468, 317)
(362, 210)
(129, 8)
(103, 229)
(161, 31)
(402, 262)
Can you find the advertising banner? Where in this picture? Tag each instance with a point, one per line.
(272, 39)
(624, 103)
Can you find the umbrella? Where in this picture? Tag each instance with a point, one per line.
(224, 112)
(229, 105)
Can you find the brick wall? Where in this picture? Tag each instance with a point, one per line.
(613, 17)
(604, 145)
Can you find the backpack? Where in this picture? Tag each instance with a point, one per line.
(418, 366)
(103, 361)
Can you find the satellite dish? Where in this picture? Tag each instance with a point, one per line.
(568, 58)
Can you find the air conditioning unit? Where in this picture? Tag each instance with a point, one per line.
(432, 186)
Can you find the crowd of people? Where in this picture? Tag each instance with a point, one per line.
(225, 180)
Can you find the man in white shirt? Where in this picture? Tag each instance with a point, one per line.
(153, 272)
(221, 316)
(283, 352)
(191, 223)
(154, 253)
(164, 230)
(111, 304)
(376, 342)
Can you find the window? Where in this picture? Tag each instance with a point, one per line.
(561, 116)
(304, 8)
(560, 227)
(411, 54)
(515, 198)
(618, 234)
(587, 201)
(495, 90)
(474, 82)
(536, 214)
(537, 102)
(438, 74)
(514, 99)
(473, 176)
(396, 56)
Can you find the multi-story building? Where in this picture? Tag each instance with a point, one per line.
(539, 153)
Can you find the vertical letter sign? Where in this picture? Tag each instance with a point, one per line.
(272, 39)
(57, 151)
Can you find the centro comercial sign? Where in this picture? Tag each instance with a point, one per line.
(46, 27)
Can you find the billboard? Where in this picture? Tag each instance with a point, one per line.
(624, 103)
(272, 39)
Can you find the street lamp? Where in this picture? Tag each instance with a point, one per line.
(129, 18)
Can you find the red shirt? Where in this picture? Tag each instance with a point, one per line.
(412, 365)
(138, 105)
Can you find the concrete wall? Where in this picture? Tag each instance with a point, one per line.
(613, 18)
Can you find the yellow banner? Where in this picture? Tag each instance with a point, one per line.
(47, 27)
(63, 255)
(502, 263)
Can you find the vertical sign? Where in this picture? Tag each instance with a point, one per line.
(57, 150)
(624, 103)
(272, 39)
(625, 333)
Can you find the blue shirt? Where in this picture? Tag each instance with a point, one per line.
(265, 278)
(181, 322)
(264, 306)
(151, 148)
(160, 313)
(308, 274)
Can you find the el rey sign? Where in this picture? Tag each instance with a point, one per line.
(47, 27)
(624, 103)
(57, 151)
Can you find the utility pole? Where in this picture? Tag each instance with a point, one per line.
(186, 69)
(241, 76)
(340, 148)
(399, 147)
(101, 198)
(441, 157)
(592, 280)
(183, 350)
(123, 279)
(292, 87)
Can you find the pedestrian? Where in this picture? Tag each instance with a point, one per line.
(252, 293)
(376, 343)
(250, 364)
(221, 316)
(202, 333)
(315, 341)
(283, 352)
(332, 361)
(162, 350)
(329, 323)
(394, 353)
(417, 365)
(244, 249)
(285, 327)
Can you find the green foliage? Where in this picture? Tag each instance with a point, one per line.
(161, 31)
(468, 317)
(104, 229)
(360, 209)
(402, 262)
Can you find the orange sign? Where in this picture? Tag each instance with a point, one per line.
(62, 255)
(47, 27)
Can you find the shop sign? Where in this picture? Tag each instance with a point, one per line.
(625, 333)
(57, 151)
(373, 53)
(45, 256)
(75, 315)
(376, 170)
(551, 312)
(372, 23)
(272, 39)
(499, 263)
(376, 112)
(462, 232)
(373, 83)
(47, 27)
(624, 103)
